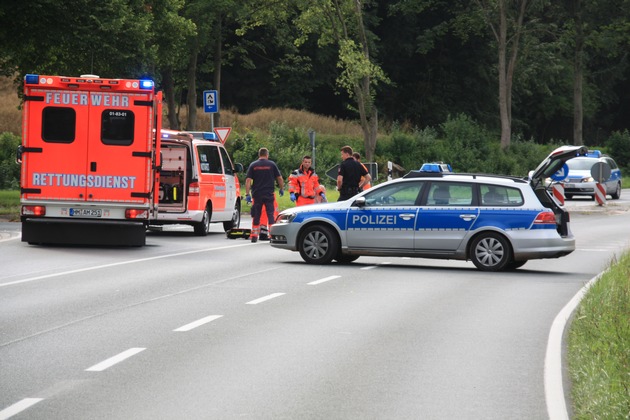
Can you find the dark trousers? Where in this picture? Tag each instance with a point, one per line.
(259, 202)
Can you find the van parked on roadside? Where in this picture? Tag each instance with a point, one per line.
(198, 182)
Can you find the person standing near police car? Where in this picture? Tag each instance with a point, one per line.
(349, 182)
(304, 184)
(260, 181)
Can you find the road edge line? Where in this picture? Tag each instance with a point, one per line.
(553, 378)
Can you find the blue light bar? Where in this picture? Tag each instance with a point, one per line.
(32, 79)
(594, 154)
(209, 136)
(146, 84)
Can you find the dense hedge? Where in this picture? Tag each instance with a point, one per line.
(9, 170)
(460, 141)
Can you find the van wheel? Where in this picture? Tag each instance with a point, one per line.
(202, 228)
(490, 252)
(318, 244)
(236, 218)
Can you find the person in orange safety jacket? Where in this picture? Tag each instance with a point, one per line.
(304, 185)
(357, 157)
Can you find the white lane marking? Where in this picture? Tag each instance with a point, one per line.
(18, 407)
(155, 299)
(368, 267)
(264, 298)
(554, 390)
(98, 267)
(99, 367)
(197, 323)
(11, 239)
(313, 283)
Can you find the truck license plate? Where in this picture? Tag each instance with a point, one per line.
(86, 212)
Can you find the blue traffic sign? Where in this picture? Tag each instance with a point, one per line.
(561, 174)
(210, 101)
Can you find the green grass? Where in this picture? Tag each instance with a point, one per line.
(10, 204)
(599, 347)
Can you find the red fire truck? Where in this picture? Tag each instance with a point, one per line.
(90, 159)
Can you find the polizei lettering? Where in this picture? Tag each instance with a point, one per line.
(374, 219)
(76, 180)
(84, 99)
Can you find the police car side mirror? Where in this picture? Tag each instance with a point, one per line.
(359, 202)
(238, 167)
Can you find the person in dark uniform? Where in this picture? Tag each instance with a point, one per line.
(262, 174)
(349, 181)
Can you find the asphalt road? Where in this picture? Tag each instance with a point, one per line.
(212, 328)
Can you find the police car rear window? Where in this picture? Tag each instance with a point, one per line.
(496, 195)
(58, 124)
(117, 127)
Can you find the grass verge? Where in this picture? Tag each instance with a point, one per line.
(10, 204)
(599, 347)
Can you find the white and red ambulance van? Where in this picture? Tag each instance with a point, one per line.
(198, 182)
(90, 158)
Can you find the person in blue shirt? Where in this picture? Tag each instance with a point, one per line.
(261, 175)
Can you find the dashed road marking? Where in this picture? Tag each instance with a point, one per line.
(18, 407)
(325, 279)
(105, 364)
(264, 298)
(197, 323)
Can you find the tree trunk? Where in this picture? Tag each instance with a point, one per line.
(191, 98)
(504, 112)
(218, 51)
(578, 77)
(169, 93)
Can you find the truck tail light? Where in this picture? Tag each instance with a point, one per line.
(136, 214)
(34, 211)
(193, 190)
(545, 218)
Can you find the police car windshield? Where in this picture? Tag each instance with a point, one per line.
(581, 164)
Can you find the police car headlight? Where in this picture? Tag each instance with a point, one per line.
(285, 217)
(589, 179)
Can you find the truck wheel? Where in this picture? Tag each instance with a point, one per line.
(202, 228)
(236, 218)
(318, 244)
(490, 252)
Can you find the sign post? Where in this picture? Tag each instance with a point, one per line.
(211, 104)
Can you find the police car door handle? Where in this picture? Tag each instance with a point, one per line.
(468, 217)
(407, 216)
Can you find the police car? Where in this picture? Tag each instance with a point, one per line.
(497, 222)
(580, 180)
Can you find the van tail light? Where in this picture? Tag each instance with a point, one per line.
(34, 211)
(193, 189)
(136, 214)
(545, 218)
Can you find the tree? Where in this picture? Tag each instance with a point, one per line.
(507, 25)
(342, 22)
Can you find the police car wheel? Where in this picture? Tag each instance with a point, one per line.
(515, 264)
(202, 228)
(345, 259)
(617, 193)
(318, 244)
(490, 252)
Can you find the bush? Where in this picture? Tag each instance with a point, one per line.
(9, 170)
(619, 148)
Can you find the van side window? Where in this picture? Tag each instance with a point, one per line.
(209, 160)
(58, 124)
(227, 163)
(117, 127)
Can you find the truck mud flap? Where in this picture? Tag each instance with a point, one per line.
(83, 232)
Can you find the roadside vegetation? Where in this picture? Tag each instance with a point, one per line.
(599, 347)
